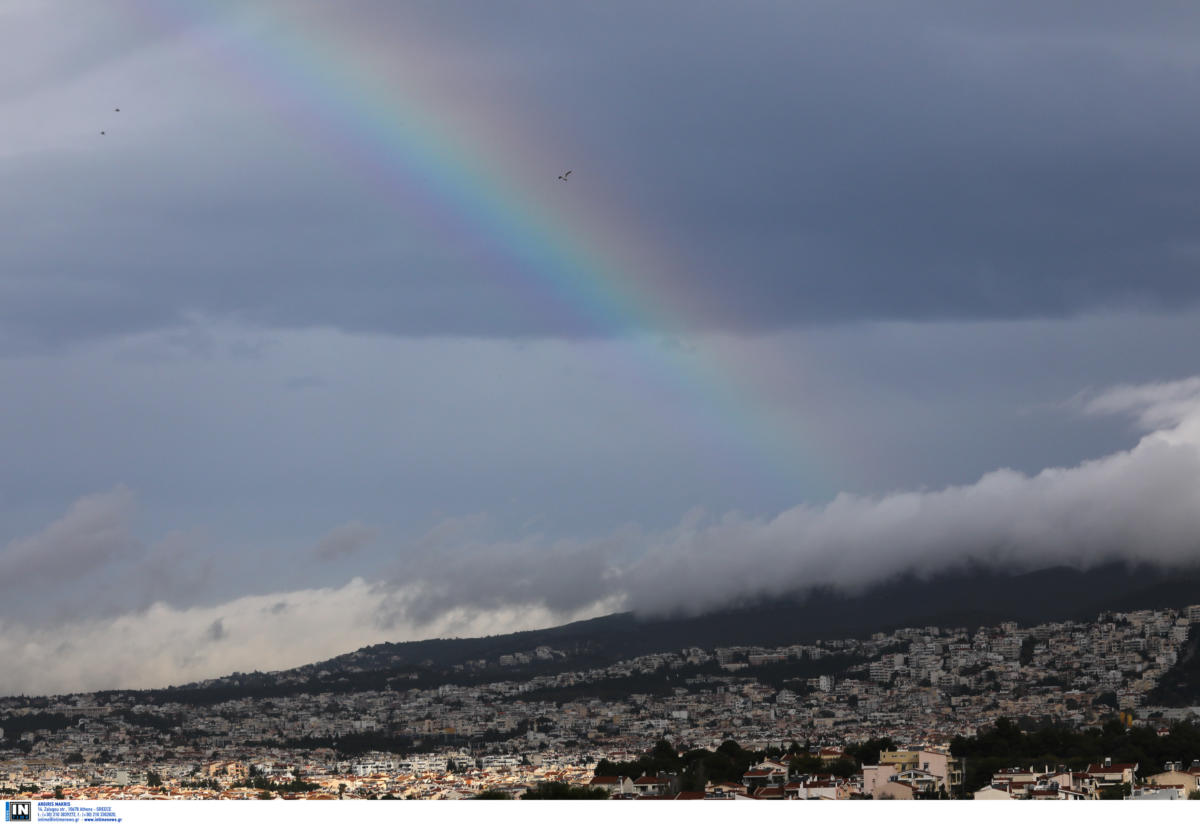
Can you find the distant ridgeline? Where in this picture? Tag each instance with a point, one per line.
(969, 598)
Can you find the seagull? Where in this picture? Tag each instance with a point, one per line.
(563, 176)
(116, 110)
(102, 131)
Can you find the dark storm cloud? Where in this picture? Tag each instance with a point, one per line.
(823, 162)
(800, 163)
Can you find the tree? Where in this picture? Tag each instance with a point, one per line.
(868, 751)
(730, 748)
(1027, 647)
(842, 768)
(805, 765)
(663, 749)
(561, 791)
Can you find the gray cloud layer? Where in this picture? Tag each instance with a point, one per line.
(95, 531)
(344, 540)
(90, 563)
(791, 164)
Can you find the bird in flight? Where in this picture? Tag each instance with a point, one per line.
(116, 110)
(564, 175)
(102, 131)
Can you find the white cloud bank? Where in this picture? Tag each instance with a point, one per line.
(1142, 504)
(163, 645)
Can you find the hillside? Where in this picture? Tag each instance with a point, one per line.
(967, 599)
(1180, 686)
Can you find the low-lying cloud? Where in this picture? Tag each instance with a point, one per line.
(165, 645)
(1141, 504)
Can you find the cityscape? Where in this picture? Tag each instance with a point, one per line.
(907, 695)
(597, 401)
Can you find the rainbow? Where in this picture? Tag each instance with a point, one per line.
(479, 168)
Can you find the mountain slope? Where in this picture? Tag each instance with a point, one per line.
(969, 598)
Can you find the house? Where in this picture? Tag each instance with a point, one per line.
(725, 789)
(813, 787)
(655, 786)
(1019, 781)
(769, 794)
(941, 764)
(825, 790)
(877, 774)
(614, 784)
(830, 754)
(1108, 773)
(925, 782)
(1062, 777)
(853, 785)
(895, 790)
(994, 792)
(1173, 775)
(1159, 792)
(766, 774)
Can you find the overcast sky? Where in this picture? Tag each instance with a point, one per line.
(308, 347)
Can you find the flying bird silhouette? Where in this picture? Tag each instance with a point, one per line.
(116, 110)
(102, 131)
(564, 175)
